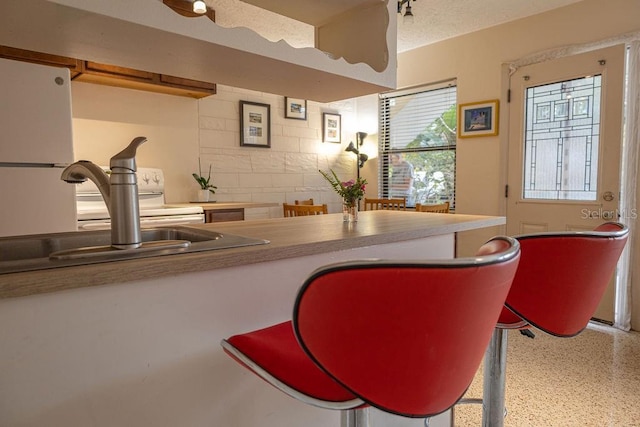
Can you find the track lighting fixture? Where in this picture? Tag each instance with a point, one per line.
(408, 15)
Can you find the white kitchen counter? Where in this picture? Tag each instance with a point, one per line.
(144, 350)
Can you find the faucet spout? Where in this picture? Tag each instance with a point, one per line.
(119, 191)
(82, 170)
(126, 159)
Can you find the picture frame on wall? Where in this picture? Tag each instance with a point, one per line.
(478, 119)
(331, 127)
(295, 108)
(255, 124)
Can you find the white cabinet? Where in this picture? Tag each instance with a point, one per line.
(35, 144)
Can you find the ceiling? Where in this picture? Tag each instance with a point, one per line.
(434, 20)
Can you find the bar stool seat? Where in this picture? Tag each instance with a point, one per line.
(406, 337)
(276, 352)
(560, 281)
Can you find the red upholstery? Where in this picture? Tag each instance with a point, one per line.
(563, 276)
(276, 350)
(559, 284)
(406, 337)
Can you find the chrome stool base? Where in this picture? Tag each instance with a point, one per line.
(494, 380)
(355, 418)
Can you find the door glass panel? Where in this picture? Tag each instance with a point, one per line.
(562, 130)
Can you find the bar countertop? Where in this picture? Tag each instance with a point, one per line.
(289, 238)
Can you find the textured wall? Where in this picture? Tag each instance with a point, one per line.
(179, 130)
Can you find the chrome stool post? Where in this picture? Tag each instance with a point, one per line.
(355, 418)
(494, 380)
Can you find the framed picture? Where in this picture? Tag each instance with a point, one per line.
(331, 127)
(478, 119)
(295, 108)
(255, 124)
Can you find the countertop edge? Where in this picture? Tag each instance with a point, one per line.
(373, 229)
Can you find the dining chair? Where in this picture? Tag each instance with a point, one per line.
(303, 210)
(433, 208)
(397, 204)
(560, 281)
(406, 337)
(304, 202)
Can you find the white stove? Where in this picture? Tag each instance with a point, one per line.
(93, 213)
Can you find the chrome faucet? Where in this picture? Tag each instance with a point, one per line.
(119, 191)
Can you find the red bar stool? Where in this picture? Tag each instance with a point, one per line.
(404, 337)
(560, 281)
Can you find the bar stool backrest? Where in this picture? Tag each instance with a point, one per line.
(406, 337)
(563, 275)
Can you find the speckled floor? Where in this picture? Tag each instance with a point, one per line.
(589, 380)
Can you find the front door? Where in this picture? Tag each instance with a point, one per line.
(565, 121)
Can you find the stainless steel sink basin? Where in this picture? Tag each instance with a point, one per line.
(42, 251)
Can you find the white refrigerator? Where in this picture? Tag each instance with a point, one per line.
(35, 145)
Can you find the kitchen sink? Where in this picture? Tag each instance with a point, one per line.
(43, 251)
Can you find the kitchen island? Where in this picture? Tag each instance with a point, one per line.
(137, 342)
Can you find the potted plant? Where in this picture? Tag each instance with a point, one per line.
(206, 188)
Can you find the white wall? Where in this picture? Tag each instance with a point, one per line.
(289, 169)
(476, 61)
(179, 130)
(106, 119)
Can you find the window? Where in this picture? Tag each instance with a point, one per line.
(417, 140)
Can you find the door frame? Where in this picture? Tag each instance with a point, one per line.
(623, 284)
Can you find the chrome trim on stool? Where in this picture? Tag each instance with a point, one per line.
(349, 404)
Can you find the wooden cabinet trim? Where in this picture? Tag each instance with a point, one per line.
(39, 58)
(187, 83)
(115, 71)
(113, 75)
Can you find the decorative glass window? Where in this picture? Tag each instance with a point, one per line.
(562, 136)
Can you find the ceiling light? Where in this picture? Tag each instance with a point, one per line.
(408, 15)
(200, 6)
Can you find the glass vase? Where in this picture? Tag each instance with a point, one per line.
(350, 211)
